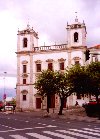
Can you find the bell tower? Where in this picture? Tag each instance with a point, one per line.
(76, 34)
(27, 39)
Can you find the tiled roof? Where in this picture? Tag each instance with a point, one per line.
(95, 47)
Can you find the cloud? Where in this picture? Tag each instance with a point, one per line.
(49, 19)
(8, 82)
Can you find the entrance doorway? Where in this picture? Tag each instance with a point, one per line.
(38, 103)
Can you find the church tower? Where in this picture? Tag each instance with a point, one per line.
(76, 34)
(27, 39)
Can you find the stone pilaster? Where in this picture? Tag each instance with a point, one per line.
(31, 83)
(69, 58)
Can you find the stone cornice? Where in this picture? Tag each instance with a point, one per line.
(78, 47)
(23, 52)
(23, 84)
(28, 31)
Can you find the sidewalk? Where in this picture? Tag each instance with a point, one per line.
(71, 114)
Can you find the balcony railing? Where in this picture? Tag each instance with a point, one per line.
(52, 47)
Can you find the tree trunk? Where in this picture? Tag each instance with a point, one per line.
(97, 98)
(47, 109)
(48, 103)
(61, 106)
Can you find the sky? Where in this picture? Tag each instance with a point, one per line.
(47, 17)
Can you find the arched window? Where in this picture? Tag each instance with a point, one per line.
(75, 37)
(25, 42)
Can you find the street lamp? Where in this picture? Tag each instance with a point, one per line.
(4, 96)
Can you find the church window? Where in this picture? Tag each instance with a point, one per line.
(24, 81)
(24, 68)
(75, 37)
(50, 66)
(38, 67)
(24, 97)
(25, 42)
(61, 65)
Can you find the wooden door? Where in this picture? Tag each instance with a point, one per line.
(38, 103)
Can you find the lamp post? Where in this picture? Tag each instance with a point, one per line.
(4, 96)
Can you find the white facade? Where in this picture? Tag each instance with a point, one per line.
(32, 58)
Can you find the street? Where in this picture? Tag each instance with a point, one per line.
(24, 126)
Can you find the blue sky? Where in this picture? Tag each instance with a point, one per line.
(49, 19)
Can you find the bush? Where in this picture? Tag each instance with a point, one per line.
(93, 110)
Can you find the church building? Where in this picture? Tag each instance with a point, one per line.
(32, 59)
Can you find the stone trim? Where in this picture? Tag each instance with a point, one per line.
(38, 61)
(49, 60)
(25, 75)
(76, 58)
(24, 91)
(24, 62)
(61, 60)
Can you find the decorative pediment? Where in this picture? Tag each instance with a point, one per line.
(37, 95)
(76, 58)
(49, 60)
(38, 61)
(24, 62)
(25, 75)
(61, 60)
(24, 91)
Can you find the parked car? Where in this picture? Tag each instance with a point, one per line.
(92, 108)
(91, 101)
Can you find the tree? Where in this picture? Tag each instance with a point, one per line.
(93, 71)
(49, 83)
(45, 85)
(79, 79)
(63, 88)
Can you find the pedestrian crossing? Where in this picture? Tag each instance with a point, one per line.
(72, 133)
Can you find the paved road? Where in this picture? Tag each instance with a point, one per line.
(26, 126)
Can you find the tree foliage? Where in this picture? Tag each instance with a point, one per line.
(79, 79)
(50, 82)
(45, 83)
(93, 71)
(62, 88)
(85, 79)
